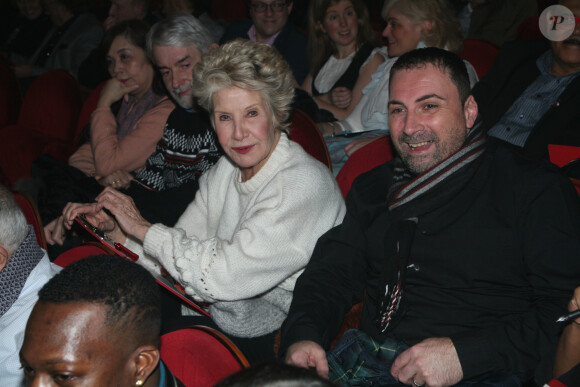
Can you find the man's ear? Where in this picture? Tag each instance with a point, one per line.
(212, 46)
(3, 257)
(470, 111)
(290, 5)
(146, 361)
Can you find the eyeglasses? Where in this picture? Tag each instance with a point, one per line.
(260, 7)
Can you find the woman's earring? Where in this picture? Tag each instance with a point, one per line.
(139, 383)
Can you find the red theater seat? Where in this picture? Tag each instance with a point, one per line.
(46, 124)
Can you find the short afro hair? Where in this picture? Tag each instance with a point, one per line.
(128, 291)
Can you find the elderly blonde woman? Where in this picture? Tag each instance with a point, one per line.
(243, 241)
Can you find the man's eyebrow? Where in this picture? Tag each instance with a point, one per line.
(183, 59)
(395, 102)
(423, 98)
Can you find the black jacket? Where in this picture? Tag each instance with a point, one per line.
(497, 266)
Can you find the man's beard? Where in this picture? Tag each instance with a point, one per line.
(185, 102)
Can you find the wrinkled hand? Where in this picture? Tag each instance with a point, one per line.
(114, 90)
(341, 97)
(308, 354)
(125, 212)
(54, 232)
(118, 179)
(96, 216)
(432, 362)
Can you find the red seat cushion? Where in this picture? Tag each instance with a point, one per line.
(198, 358)
(366, 158)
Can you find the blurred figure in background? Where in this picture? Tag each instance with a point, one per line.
(22, 35)
(75, 33)
(270, 24)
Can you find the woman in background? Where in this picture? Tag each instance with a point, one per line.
(341, 52)
(125, 127)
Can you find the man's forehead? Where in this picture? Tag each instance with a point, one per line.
(420, 76)
(169, 54)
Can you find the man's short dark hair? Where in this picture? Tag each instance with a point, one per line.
(128, 291)
(444, 60)
(275, 374)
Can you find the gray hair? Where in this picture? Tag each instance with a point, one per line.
(250, 66)
(445, 32)
(180, 30)
(13, 225)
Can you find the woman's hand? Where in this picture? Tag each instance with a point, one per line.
(118, 179)
(54, 232)
(96, 216)
(114, 90)
(341, 97)
(125, 212)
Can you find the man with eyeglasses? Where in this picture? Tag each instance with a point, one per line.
(269, 24)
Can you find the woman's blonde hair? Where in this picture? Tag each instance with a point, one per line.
(320, 47)
(250, 66)
(445, 31)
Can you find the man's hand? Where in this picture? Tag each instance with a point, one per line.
(308, 354)
(433, 363)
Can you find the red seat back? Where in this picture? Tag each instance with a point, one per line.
(10, 95)
(200, 356)
(30, 210)
(51, 105)
(306, 133)
(366, 158)
(85, 250)
(480, 53)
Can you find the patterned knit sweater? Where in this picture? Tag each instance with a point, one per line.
(187, 149)
(242, 245)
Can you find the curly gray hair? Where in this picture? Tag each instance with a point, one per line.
(250, 66)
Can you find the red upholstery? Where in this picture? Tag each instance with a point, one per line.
(28, 207)
(480, 54)
(200, 356)
(529, 29)
(228, 10)
(306, 133)
(83, 251)
(46, 124)
(562, 155)
(10, 95)
(366, 158)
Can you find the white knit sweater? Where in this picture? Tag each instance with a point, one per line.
(241, 245)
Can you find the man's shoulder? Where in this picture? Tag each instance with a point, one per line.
(513, 167)
(372, 186)
(236, 29)
(290, 36)
(518, 51)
